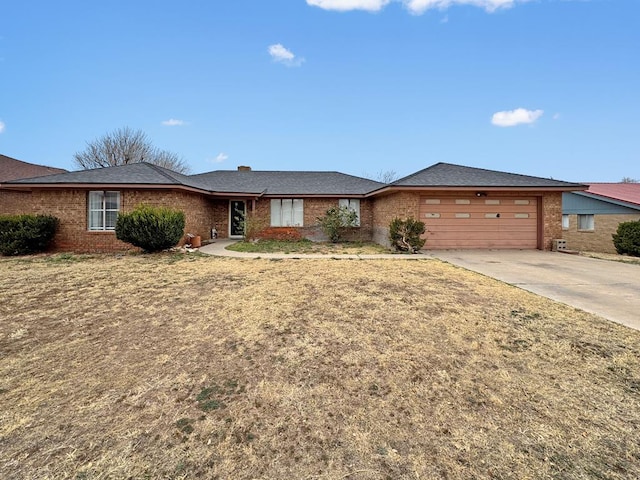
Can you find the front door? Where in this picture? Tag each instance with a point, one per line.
(237, 211)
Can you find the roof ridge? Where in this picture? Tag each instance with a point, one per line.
(420, 171)
(163, 171)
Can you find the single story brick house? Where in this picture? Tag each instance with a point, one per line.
(592, 216)
(462, 207)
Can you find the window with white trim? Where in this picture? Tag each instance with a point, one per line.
(565, 222)
(352, 204)
(103, 210)
(585, 222)
(287, 212)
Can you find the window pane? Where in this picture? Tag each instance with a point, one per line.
(111, 218)
(565, 221)
(112, 200)
(276, 213)
(297, 217)
(95, 221)
(354, 204)
(95, 200)
(287, 212)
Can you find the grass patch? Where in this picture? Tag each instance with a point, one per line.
(249, 368)
(612, 257)
(308, 247)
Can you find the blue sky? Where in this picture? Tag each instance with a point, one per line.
(540, 87)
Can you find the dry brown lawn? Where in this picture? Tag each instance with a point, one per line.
(187, 367)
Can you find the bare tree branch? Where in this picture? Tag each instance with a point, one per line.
(384, 176)
(124, 146)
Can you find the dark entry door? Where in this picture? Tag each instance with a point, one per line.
(237, 210)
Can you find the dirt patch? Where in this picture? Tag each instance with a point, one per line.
(203, 367)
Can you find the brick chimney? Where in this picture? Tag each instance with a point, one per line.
(244, 168)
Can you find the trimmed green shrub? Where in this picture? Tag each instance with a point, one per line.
(336, 220)
(627, 238)
(25, 234)
(405, 234)
(151, 228)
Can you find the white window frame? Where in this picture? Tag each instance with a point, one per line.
(287, 212)
(352, 204)
(97, 203)
(565, 222)
(586, 222)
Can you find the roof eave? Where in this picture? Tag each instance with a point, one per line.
(99, 186)
(408, 188)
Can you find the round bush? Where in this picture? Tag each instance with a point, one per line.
(151, 228)
(25, 234)
(627, 238)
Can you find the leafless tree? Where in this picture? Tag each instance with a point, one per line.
(384, 176)
(124, 146)
(629, 180)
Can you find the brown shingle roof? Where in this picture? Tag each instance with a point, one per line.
(12, 169)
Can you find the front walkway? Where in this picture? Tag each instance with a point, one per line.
(219, 249)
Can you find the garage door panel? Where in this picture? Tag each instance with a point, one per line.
(474, 222)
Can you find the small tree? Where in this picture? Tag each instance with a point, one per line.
(336, 221)
(627, 238)
(151, 228)
(25, 234)
(254, 224)
(405, 234)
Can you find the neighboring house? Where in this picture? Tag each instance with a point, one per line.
(462, 207)
(12, 169)
(592, 216)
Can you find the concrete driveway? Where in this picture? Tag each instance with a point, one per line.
(607, 288)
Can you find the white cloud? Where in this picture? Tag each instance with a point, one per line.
(172, 122)
(511, 118)
(416, 7)
(2, 126)
(282, 55)
(220, 158)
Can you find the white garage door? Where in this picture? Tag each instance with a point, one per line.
(480, 222)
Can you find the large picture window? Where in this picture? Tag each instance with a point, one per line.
(287, 212)
(103, 210)
(352, 204)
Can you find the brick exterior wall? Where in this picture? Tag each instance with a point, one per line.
(598, 240)
(13, 203)
(551, 218)
(386, 208)
(314, 208)
(70, 206)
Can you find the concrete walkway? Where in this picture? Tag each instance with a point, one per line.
(607, 288)
(219, 249)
